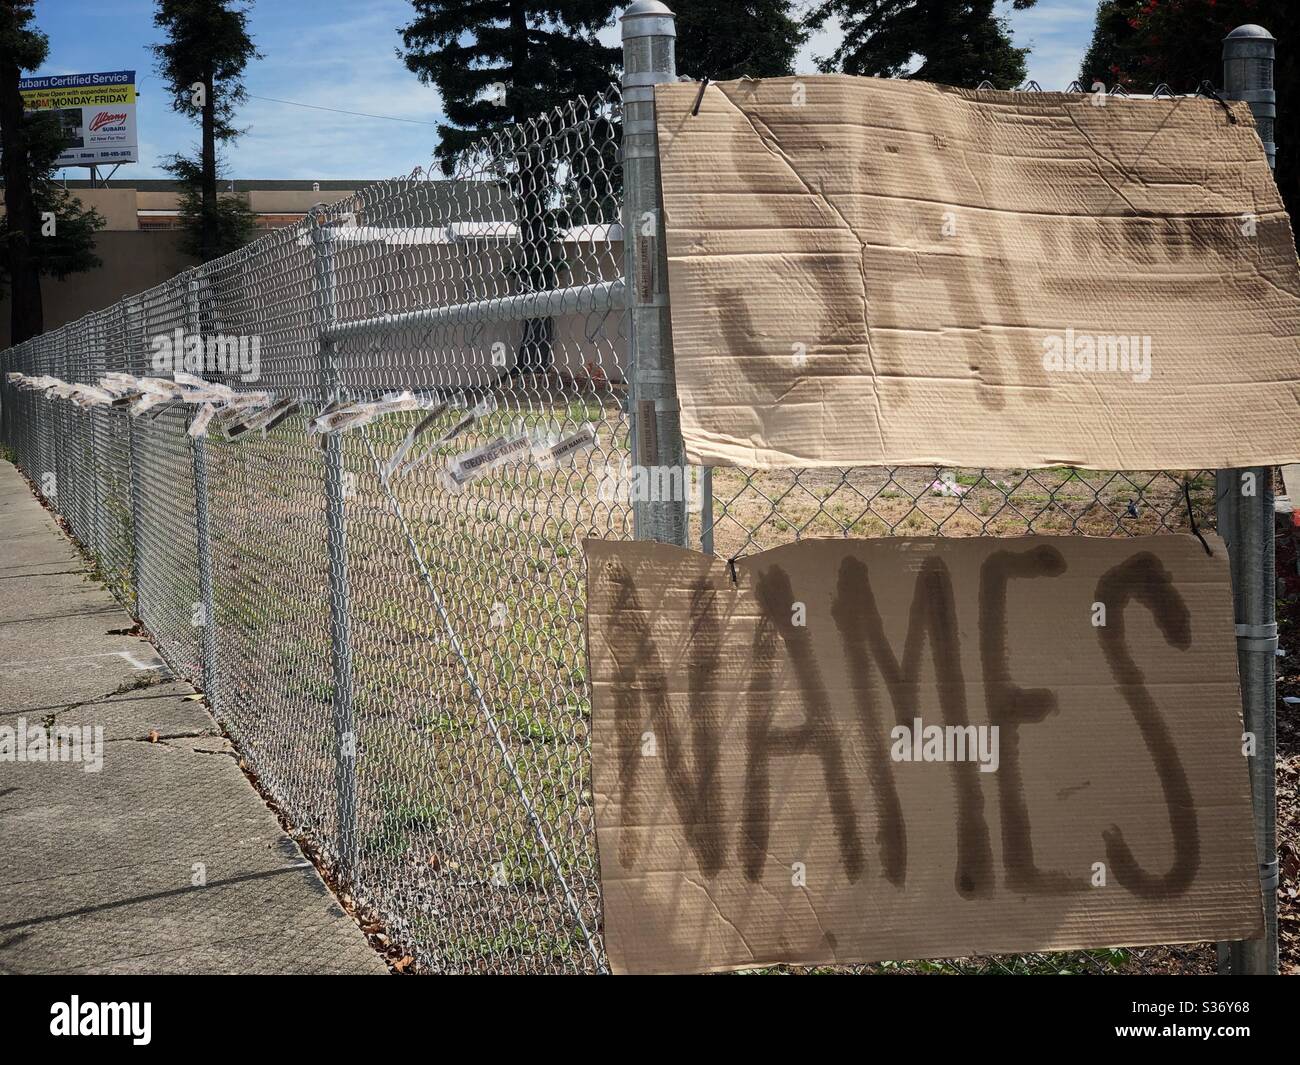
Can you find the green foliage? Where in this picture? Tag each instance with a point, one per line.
(722, 39)
(69, 248)
(234, 222)
(957, 42)
(20, 43)
(206, 39)
(1139, 43)
(202, 61)
(540, 53)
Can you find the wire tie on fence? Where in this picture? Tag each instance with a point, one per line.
(1191, 517)
(1209, 91)
(699, 97)
(731, 568)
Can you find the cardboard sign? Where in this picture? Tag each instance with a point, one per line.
(868, 272)
(915, 748)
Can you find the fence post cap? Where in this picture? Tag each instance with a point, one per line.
(1249, 31)
(648, 7)
(648, 18)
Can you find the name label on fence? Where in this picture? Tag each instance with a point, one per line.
(855, 750)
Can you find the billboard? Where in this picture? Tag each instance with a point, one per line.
(97, 110)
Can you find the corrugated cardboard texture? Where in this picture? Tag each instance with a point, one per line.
(874, 277)
(735, 751)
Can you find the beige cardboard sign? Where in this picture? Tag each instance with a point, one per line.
(867, 271)
(862, 750)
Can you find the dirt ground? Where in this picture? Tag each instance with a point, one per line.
(1288, 743)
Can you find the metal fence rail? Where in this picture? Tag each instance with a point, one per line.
(401, 659)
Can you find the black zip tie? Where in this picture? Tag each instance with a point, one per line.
(1209, 91)
(1191, 517)
(731, 568)
(699, 98)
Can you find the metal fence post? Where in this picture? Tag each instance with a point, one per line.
(1245, 517)
(99, 458)
(132, 313)
(649, 57)
(345, 736)
(64, 444)
(199, 454)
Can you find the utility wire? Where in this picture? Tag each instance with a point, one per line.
(340, 111)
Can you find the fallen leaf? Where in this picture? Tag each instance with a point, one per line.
(154, 735)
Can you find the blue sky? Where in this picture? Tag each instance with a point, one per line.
(342, 54)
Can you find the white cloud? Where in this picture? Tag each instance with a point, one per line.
(331, 55)
(349, 63)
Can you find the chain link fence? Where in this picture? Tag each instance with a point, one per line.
(397, 647)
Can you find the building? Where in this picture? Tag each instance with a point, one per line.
(154, 204)
(141, 242)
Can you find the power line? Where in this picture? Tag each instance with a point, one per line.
(340, 111)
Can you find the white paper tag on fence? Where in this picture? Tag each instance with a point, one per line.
(197, 390)
(156, 402)
(487, 457)
(90, 396)
(273, 416)
(398, 457)
(199, 424)
(119, 383)
(249, 401)
(37, 384)
(484, 407)
(159, 386)
(265, 420)
(343, 419)
(481, 409)
(548, 457)
(355, 415)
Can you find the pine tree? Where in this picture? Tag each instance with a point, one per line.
(45, 228)
(722, 39)
(235, 223)
(498, 64)
(203, 61)
(501, 61)
(957, 42)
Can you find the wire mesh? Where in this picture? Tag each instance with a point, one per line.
(400, 656)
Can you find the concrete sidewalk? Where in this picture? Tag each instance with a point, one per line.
(98, 870)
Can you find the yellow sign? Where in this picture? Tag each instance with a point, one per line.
(97, 112)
